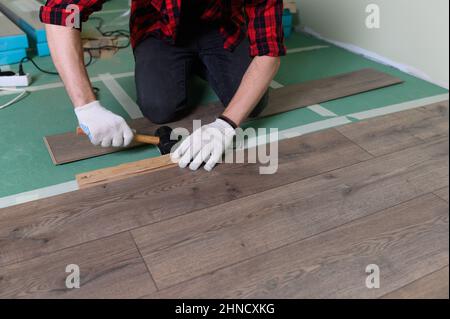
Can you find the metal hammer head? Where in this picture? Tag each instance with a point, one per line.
(165, 143)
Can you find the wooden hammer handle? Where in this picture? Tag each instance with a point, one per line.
(139, 138)
(147, 139)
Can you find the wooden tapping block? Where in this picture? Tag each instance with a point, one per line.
(106, 175)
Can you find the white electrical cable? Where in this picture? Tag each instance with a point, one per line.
(21, 92)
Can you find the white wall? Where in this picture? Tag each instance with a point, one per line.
(412, 32)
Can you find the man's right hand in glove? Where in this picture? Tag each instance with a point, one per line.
(102, 126)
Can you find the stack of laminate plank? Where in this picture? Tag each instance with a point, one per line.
(25, 14)
(13, 42)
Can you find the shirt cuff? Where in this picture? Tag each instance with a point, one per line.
(273, 50)
(58, 16)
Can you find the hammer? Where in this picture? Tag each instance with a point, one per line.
(161, 139)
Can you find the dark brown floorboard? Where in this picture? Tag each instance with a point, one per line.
(432, 286)
(390, 133)
(109, 268)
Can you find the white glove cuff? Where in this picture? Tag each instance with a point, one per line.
(88, 107)
(223, 125)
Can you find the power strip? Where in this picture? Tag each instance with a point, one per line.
(15, 80)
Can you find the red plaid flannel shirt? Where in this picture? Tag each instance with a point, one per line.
(262, 19)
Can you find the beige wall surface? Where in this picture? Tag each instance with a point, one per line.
(414, 33)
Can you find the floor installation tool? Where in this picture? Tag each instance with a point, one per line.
(161, 139)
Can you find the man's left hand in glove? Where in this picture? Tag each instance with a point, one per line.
(208, 143)
(205, 145)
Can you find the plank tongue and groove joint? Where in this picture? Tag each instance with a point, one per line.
(68, 147)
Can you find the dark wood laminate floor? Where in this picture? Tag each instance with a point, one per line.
(374, 192)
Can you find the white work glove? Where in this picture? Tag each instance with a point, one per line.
(207, 144)
(103, 126)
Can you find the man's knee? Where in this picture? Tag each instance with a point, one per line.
(156, 111)
(160, 111)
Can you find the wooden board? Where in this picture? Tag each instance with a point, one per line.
(68, 147)
(407, 242)
(110, 174)
(432, 286)
(109, 268)
(43, 226)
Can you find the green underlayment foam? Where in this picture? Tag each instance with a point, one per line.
(26, 165)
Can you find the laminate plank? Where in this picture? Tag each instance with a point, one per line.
(43, 226)
(432, 286)
(407, 242)
(69, 147)
(109, 268)
(208, 239)
(394, 132)
(443, 193)
(328, 89)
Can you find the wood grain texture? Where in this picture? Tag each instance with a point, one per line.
(127, 170)
(43, 226)
(390, 133)
(69, 147)
(225, 234)
(109, 268)
(443, 193)
(407, 242)
(432, 286)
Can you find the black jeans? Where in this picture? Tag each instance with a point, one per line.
(163, 70)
